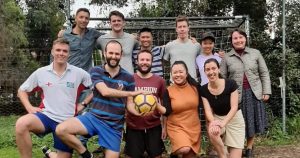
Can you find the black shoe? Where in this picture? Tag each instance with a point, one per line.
(99, 150)
(173, 156)
(46, 150)
(248, 153)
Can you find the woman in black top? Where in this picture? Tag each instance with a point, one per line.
(220, 101)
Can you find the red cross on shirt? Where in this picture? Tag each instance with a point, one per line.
(48, 84)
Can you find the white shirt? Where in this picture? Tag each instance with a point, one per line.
(60, 92)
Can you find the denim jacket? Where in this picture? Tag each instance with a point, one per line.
(251, 63)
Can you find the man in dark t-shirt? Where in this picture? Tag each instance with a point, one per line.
(145, 133)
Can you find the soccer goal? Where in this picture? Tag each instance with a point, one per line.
(164, 29)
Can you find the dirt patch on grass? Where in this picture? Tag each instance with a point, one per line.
(285, 151)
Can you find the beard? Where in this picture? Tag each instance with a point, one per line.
(144, 71)
(108, 60)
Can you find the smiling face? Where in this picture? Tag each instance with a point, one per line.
(60, 52)
(207, 46)
(238, 40)
(182, 29)
(145, 39)
(212, 71)
(82, 19)
(179, 74)
(144, 62)
(117, 23)
(113, 54)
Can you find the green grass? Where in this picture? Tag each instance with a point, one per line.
(8, 149)
(275, 135)
(8, 146)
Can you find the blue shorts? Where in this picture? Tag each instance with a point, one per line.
(50, 126)
(108, 137)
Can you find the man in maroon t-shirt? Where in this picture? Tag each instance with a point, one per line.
(145, 133)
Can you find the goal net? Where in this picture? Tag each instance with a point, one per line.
(164, 30)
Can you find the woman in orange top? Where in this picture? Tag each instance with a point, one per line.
(181, 102)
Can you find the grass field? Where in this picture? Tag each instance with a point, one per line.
(8, 148)
(274, 137)
(7, 139)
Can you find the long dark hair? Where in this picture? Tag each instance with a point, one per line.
(189, 78)
(212, 60)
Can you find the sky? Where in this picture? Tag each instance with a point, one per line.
(100, 11)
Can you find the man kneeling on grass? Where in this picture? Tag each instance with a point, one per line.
(113, 89)
(59, 82)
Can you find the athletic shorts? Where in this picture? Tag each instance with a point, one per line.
(50, 127)
(234, 132)
(108, 137)
(139, 141)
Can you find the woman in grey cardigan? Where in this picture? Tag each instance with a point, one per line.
(248, 68)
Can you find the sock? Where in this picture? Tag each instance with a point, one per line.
(86, 154)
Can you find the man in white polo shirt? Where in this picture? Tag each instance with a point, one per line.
(59, 82)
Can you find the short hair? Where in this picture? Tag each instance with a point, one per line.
(116, 13)
(181, 18)
(113, 41)
(144, 51)
(240, 32)
(83, 10)
(145, 29)
(60, 41)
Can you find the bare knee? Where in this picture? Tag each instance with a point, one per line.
(61, 130)
(22, 125)
(183, 150)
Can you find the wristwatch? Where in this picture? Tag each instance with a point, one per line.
(83, 104)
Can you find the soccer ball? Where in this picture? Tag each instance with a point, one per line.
(144, 103)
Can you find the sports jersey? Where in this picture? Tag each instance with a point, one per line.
(110, 109)
(60, 92)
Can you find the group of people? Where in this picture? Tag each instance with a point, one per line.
(232, 89)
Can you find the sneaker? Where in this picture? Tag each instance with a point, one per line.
(248, 153)
(173, 156)
(99, 150)
(46, 150)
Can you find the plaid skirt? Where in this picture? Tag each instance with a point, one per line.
(254, 113)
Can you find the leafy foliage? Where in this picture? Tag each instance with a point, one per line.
(118, 3)
(14, 62)
(170, 8)
(43, 21)
(292, 62)
(256, 9)
(13, 20)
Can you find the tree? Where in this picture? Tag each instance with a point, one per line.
(256, 9)
(14, 63)
(292, 62)
(218, 7)
(170, 8)
(43, 21)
